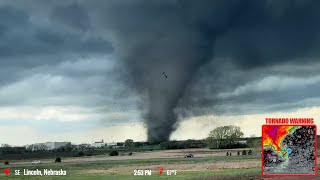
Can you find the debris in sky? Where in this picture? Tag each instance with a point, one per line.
(165, 75)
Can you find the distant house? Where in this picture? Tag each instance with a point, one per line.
(111, 144)
(98, 144)
(120, 144)
(116, 145)
(83, 146)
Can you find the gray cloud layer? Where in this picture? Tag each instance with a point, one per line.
(221, 56)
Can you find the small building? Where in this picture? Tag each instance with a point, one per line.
(120, 144)
(116, 145)
(111, 144)
(98, 144)
(83, 146)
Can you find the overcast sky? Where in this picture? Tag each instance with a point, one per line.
(62, 77)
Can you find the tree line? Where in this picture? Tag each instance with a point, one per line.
(226, 137)
(222, 137)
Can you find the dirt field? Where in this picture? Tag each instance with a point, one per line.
(206, 164)
(148, 155)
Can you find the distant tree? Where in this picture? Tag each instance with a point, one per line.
(238, 153)
(40, 147)
(81, 153)
(250, 152)
(5, 145)
(61, 149)
(114, 153)
(223, 136)
(244, 152)
(29, 148)
(6, 162)
(5, 148)
(137, 144)
(187, 143)
(58, 159)
(129, 144)
(254, 141)
(66, 148)
(165, 145)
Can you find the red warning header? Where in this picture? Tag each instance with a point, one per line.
(289, 121)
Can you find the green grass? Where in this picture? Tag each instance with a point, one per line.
(111, 163)
(180, 175)
(78, 171)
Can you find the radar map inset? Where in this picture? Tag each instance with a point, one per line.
(289, 150)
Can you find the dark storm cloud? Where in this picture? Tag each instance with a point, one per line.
(26, 33)
(178, 37)
(50, 56)
(273, 33)
(72, 15)
(12, 18)
(217, 54)
(33, 38)
(234, 91)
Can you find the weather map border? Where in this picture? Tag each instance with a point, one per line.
(286, 175)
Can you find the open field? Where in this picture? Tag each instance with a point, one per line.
(159, 154)
(207, 164)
